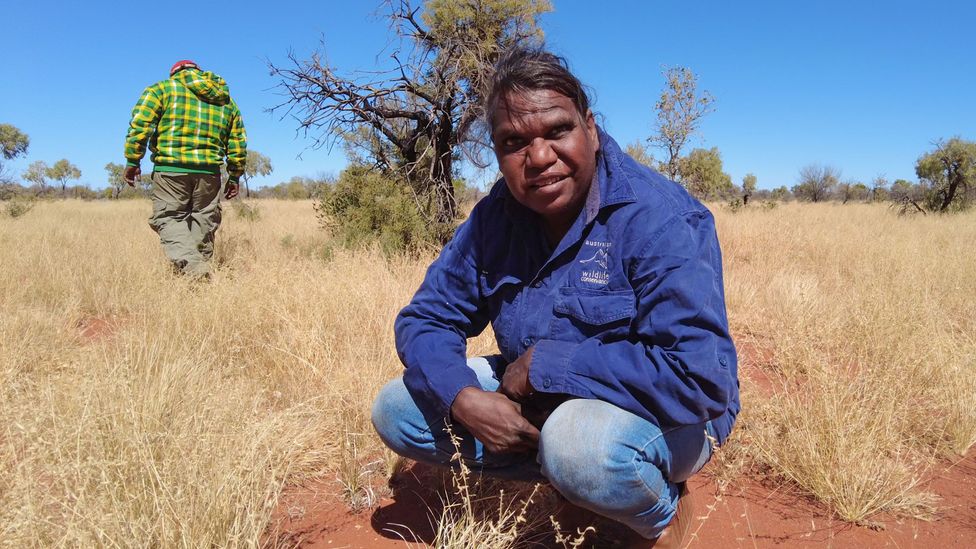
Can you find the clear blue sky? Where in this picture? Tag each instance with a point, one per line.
(865, 86)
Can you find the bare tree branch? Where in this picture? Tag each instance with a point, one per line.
(423, 110)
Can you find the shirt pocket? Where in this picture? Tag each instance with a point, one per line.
(584, 313)
(490, 283)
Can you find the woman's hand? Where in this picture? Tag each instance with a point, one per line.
(515, 383)
(495, 420)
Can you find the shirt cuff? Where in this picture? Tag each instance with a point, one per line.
(441, 391)
(448, 404)
(447, 391)
(550, 367)
(132, 163)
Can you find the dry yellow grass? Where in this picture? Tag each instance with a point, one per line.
(178, 424)
(871, 323)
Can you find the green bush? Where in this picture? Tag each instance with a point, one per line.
(19, 205)
(364, 206)
(735, 204)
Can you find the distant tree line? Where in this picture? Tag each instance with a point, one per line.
(406, 128)
(946, 174)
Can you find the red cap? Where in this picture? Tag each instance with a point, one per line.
(182, 64)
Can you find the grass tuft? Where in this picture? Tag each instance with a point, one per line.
(182, 421)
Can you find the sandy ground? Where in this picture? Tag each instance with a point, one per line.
(754, 514)
(750, 515)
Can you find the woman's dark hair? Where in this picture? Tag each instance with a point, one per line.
(522, 69)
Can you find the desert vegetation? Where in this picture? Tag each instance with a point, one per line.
(139, 408)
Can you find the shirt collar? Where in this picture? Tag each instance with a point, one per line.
(611, 185)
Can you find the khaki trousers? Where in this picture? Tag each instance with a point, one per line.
(186, 214)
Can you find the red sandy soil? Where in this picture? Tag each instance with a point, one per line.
(750, 515)
(93, 328)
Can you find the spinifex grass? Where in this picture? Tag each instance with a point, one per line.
(866, 322)
(473, 516)
(179, 420)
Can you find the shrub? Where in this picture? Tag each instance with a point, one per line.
(19, 205)
(365, 206)
(735, 204)
(247, 211)
(9, 190)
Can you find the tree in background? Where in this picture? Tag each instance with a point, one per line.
(297, 188)
(62, 171)
(679, 112)
(852, 190)
(860, 192)
(144, 189)
(908, 195)
(779, 193)
(951, 171)
(701, 173)
(417, 117)
(115, 180)
(638, 151)
(843, 191)
(119, 189)
(748, 187)
(879, 189)
(257, 164)
(816, 182)
(36, 173)
(13, 143)
(901, 189)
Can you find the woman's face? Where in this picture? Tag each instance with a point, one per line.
(547, 152)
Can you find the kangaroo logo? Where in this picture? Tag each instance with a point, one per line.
(599, 257)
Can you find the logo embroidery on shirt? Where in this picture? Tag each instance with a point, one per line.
(600, 258)
(592, 274)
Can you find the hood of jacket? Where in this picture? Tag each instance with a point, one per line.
(206, 85)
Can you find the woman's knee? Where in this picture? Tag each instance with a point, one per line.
(393, 413)
(602, 457)
(577, 459)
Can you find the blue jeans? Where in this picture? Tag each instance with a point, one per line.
(596, 455)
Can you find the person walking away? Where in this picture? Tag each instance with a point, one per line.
(190, 124)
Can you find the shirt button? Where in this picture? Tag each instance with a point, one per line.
(527, 342)
(546, 383)
(723, 362)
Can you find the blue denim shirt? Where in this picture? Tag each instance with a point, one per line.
(629, 308)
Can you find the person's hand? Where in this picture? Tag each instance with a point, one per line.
(494, 420)
(131, 174)
(232, 189)
(515, 383)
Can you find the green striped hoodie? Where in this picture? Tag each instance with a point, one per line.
(190, 123)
